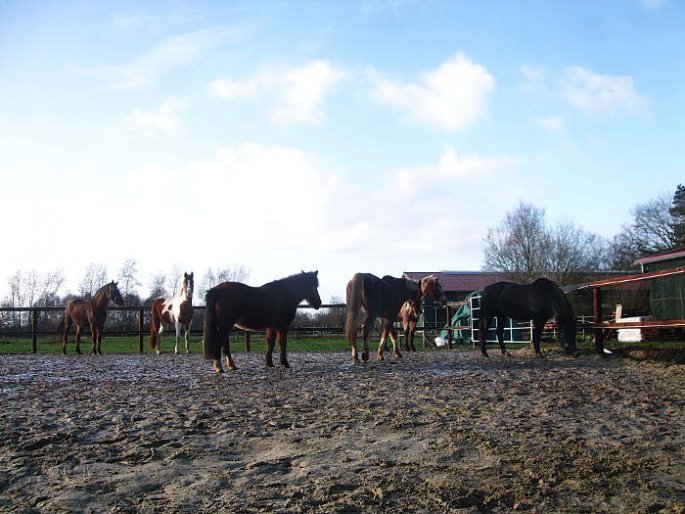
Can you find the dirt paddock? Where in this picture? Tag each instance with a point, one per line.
(432, 432)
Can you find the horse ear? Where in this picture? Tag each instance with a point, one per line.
(316, 273)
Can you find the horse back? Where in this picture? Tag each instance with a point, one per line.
(79, 310)
(251, 308)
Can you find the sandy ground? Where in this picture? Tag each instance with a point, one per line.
(432, 432)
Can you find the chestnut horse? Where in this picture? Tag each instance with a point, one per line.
(271, 307)
(537, 302)
(92, 313)
(178, 310)
(410, 312)
(383, 298)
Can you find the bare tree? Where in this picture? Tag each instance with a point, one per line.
(94, 278)
(238, 273)
(33, 289)
(525, 248)
(518, 245)
(157, 288)
(128, 278)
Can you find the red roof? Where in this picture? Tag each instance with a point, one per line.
(464, 281)
(676, 253)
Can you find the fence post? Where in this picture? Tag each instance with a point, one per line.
(141, 324)
(449, 327)
(34, 330)
(597, 312)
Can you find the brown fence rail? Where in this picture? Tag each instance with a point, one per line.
(33, 328)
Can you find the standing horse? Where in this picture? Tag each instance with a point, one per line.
(92, 313)
(537, 302)
(410, 312)
(383, 298)
(272, 307)
(178, 310)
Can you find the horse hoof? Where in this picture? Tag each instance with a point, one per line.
(365, 356)
(380, 357)
(285, 364)
(270, 364)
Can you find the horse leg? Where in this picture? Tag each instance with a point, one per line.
(187, 335)
(93, 339)
(67, 327)
(538, 326)
(98, 339)
(381, 345)
(282, 344)
(368, 325)
(393, 337)
(160, 332)
(177, 326)
(270, 341)
(77, 336)
(225, 337)
(501, 321)
(483, 325)
(410, 336)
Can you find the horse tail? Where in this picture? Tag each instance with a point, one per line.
(354, 303)
(210, 330)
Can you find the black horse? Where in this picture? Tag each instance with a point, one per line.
(537, 302)
(271, 307)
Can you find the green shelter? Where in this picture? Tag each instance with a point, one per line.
(667, 298)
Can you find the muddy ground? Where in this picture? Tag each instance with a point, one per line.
(433, 432)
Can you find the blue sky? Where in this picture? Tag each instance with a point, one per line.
(380, 136)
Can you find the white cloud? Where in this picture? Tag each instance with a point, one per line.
(598, 94)
(552, 124)
(653, 5)
(295, 95)
(164, 122)
(452, 97)
(171, 53)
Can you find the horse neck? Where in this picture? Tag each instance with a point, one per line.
(100, 300)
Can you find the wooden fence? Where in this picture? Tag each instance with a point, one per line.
(33, 330)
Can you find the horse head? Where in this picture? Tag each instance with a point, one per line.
(311, 294)
(114, 294)
(430, 286)
(188, 285)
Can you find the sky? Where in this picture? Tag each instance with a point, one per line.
(371, 135)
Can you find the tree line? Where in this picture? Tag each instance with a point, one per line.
(525, 247)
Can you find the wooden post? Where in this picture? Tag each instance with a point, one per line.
(34, 330)
(448, 310)
(597, 313)
(141, 324)
(247, 341)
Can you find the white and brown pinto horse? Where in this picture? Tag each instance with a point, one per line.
(383, 298)
(178, 310)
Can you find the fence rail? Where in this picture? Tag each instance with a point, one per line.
(33, 330)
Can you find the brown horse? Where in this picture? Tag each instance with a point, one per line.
(92, 313)
(383, 298)
(409, 316)
(271, 307)
(178, 310)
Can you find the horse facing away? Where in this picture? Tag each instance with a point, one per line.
(178, 310)
(271, 307)
(537, 302)
(383, 298)
(92, 313)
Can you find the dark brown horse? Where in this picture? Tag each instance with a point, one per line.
(383, 298)
(271, 307)
(178, 310)
(538, 302)
(91, 313)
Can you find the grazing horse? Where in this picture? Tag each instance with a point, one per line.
(537, 302)
(178, 310)
(383, 298)
(271, 307)
(92, 313)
